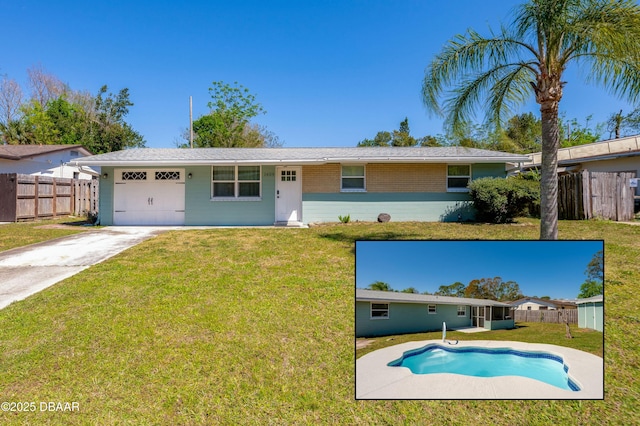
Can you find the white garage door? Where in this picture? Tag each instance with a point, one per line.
(148, 197)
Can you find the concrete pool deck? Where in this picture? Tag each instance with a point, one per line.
(376, 380)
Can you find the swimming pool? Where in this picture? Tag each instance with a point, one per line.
(488, 362)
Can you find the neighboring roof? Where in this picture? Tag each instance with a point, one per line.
(549, 303)
(207, 156)
(598, 151)
(597, 298)
(563, 302)
(18, 152)
(392, 296)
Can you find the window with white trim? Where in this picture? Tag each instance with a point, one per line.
(236, 182)
(458, 177)
(352, 178)
(462, 311)
(379, 310)
(431, 309)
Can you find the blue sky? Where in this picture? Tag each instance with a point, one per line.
(328, 73)
(541, 268)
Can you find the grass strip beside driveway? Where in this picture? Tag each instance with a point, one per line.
(22, 234)
(256, 326)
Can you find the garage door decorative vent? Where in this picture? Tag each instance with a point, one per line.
(134, 175)
(172, 175)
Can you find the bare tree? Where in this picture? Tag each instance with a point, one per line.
(10, 100)
(44, 86)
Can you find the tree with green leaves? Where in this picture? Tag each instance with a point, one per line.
(493, 288)
(573, 133)
(380, 286)
(401, 137)
(381, 139)
(525, 131)
(55, 114)
(594, 284)
(619, 124)
(456, 290)
(228, 123)
(503, 70)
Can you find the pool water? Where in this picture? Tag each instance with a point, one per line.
(483, 362)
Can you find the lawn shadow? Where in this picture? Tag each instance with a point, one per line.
(351, 239)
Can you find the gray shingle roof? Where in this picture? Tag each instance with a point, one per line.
(179, 156)
(390, 296)
(18, 152)
(598, 298)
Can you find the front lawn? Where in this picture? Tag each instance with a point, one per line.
(20, 234)
(256, 326)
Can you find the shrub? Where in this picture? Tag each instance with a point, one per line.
(499, 200)
(345, 219)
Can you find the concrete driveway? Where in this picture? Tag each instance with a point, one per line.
(28, 270)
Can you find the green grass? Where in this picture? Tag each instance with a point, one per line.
(532, 332)
(20, 234)
(255, 326)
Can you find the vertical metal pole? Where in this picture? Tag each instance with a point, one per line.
(190, 122)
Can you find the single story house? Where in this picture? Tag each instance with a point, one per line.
(45, 160)
(534, 304)
(591, 313)
(380, 313)
(292, 186)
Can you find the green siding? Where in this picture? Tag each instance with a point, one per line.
(407, 206)
(105, 202)
(200, 210)
(499, 325)
(408, 318)
(591, 315)
(488, 170)
(316, 207)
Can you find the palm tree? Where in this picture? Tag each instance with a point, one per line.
(502, 71)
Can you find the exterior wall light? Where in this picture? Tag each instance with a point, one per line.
(105, 176)
(190, 175)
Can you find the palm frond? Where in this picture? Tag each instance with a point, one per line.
(508, 80)
(511, 91)
(466, 55)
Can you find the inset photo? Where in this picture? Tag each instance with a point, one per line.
(479, 319)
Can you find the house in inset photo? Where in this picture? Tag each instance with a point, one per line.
(385, 313)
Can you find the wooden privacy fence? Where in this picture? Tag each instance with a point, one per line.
(85, 196)
(553, 316)
(603, 195)
(27, 197)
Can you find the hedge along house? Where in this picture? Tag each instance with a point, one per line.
(381, 313)
(294, 186)
(591, 313)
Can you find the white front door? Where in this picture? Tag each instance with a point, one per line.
(149, 197)
(288, 194)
